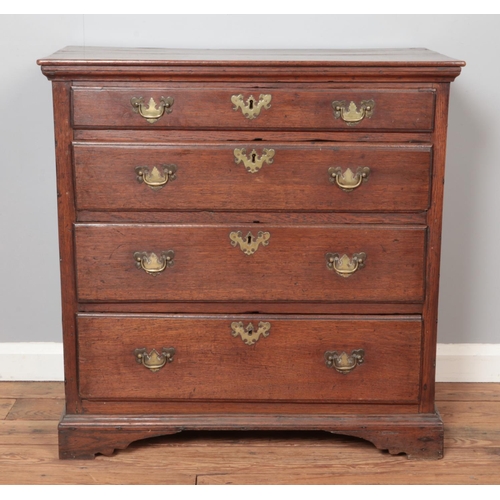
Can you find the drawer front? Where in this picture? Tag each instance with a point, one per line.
(242, 177)
(249, 262)
(332, 359)
(222, 108)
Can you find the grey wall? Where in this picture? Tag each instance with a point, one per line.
(29, 276)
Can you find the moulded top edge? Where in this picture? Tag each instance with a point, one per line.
(105, 56)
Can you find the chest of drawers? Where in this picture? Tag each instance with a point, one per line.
(250, 240)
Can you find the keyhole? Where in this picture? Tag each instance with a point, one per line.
(250, 103)
(249, 239)
(253, 157)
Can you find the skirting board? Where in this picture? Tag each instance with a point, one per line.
(43, 361)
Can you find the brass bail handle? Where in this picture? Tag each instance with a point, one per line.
(154, 360)
(151, 111)
(343, 265)
(152, 263)
(350, 114)
(157, 177)
(342, 362)
(348, 180)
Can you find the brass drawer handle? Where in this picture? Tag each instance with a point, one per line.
(253, 163)
(152, 264)
(343, 265)
(150, 112)
(252, 108)
(157, 178)
(350, 114)
(250, 243)
(342, 362)
(348, 180)
(248, 334)
(154, 361)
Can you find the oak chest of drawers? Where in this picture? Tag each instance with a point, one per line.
(250, 240)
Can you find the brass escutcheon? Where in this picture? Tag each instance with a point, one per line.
(156, 178)
(152, 264)
(343, 265)
(342, 362)
(248, 334)
(249, 244)
(151, 112)
(253, 162)
(350, 114)
(348, 180)
(154, 361)
(252, 108)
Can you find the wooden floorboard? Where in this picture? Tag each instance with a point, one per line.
(31, 390)
(36, 409)
(29, 414)
(473, 391)
(5, 407)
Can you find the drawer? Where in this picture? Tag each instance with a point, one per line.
(250, 358)
(252, 176)
(249, 262)
(243, 107)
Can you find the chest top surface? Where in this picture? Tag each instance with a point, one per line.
(405, 64)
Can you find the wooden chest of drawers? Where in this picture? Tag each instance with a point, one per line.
(250, 240)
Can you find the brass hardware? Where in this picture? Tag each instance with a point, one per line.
(344, 266)
(342, 362)
(249, 335)
(253, 163)
(157, 178)
(150, 111)
(350, 114)
(250, 243)
(153, 264)
(154, 361)
(252, 108)
(348, 180)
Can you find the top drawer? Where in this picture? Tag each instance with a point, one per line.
(252, 108)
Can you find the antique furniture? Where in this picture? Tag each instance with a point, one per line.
(250, 240)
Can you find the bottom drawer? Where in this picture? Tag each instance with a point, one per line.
(250, 358)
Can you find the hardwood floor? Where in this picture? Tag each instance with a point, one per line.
(29, 412)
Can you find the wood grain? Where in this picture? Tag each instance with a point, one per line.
(251, 308)
(28, 432)
(66, 215)
(472, 391)
(31, 390)
(208, 178)
(210, 363)
(420, 436)
(292, 267)
(37, 409)
(41, 465)
(29, 452)
(112, 56)
(202, 136)
(290, 109)
(211, 217)
(5, 407)
(459, 468)
(433, 258)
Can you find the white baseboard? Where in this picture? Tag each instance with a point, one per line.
(43, 361)
(31, 361)
(468, 363)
